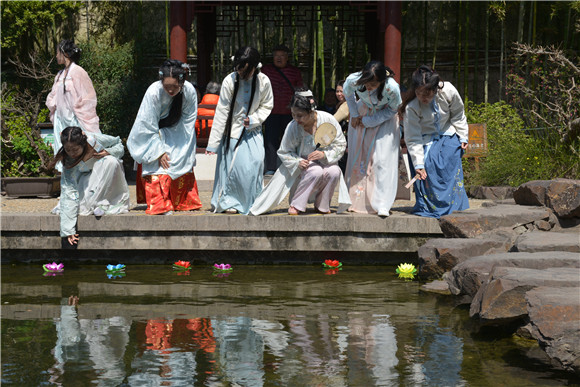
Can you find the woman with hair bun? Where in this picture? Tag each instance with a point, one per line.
(245, 102)
(436, 134)
(72, 100)
(163, 140)
(92, 180)
(309, 173)
(373, 138)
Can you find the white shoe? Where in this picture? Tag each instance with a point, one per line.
(231, 211)
(98, 211)
(383, 212)
(167, 213)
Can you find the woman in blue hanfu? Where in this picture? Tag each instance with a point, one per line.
(92, 180)
(373, 139)
(246, 100)
(436, 134)
(309, 173)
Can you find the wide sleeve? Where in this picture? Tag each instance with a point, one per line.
(144, 142)
(51, 98)
(84, 100)
(413, 135)
(69, 202)
(290, 147)
(113, 145)
(221, 114)
(349, 94)
(266, 105)
(457, 114)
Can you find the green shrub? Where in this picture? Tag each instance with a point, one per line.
(24, 153)
(118, 95)
(515, 155)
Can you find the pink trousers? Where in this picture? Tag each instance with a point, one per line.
(320, 180)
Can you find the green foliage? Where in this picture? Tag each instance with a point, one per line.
(19, 156)
(25, 23)
(515, 155)
(118, 95)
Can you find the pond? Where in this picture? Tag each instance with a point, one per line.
(257, 326)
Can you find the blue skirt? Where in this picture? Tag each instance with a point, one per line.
(238, 181)
(443, 191)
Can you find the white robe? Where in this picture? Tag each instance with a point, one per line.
(147, 142)
(295, 144)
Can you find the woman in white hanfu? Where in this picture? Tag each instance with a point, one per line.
(72, 100)
(92, 180)
(373, 139)
(246, 100)
(309, 173)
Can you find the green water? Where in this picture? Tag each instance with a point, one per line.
(261, 325)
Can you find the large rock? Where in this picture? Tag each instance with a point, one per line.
(502, 297)
(554, 315)
(441, 254)
(469, 224)
(467, 277)
(491, 193)
(561, 195)
(535, 241)
(532, 193)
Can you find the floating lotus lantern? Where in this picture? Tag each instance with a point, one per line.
(115, 269)
(182, 265)
(223, 268)
(406, 270)
(53, 267)
(332, 264)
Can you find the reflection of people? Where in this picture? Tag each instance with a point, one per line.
(285, 78)
(373, 138)
(308, 173)
(436, 134)
(92, 180)
(72, 100)
(245, 102)
(163, 141)
(99, 342)
(342, 116)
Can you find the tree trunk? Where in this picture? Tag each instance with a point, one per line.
(437, 29)
(521, 16)
(486, 77)
(466, 53)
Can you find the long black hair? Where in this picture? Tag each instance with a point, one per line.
(69, 49)
(70, 135)
(175, 69)
(424, 76)
(374, 71)
(244, 56)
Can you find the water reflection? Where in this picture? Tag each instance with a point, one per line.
(268, 327)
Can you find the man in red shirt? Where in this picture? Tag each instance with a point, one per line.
(285, 78)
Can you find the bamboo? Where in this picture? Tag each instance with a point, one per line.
(466, 53)
(437, 29)
(458, 45)
(167, 43)
(486, 76)
(521, 15)
(320, 52)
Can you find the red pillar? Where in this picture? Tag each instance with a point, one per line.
(178, 35)
(393, 19)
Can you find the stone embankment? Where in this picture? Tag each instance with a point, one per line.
(517, 263)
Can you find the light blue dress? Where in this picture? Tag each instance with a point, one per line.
(147, 142)
(239, 171)
(95, 183)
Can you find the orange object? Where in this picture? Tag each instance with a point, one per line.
(164, 194)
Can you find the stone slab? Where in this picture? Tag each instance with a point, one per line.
(554, 315)
(467, 277)
(502, 297)
(536, 241)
